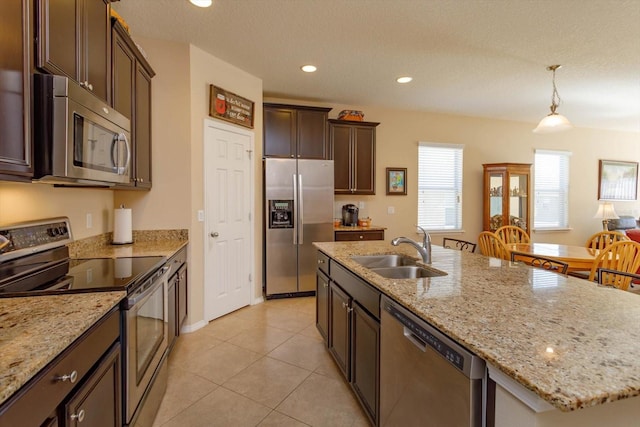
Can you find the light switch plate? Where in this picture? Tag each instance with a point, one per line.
(200, 216)
(89, 220)
(391, 210)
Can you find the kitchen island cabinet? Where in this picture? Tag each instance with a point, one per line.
(295, 131)
(353, 150)
(16, 149)
(74, 39)
(534, 327)
(63, 357)
(351, 330)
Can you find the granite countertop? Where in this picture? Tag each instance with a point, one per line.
(512, 315)
(145, 243)
(34, 330)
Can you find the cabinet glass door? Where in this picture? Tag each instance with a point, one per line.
(495, 198)
(518, 192)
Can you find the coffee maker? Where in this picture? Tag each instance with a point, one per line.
(349, 215)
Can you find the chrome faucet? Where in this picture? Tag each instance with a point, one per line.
(424, 250)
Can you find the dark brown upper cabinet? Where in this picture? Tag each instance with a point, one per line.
(16, 154)
(294, 131)
(353, 148)
(131, 96)
(73, 38)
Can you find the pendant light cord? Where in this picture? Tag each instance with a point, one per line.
(555, 97)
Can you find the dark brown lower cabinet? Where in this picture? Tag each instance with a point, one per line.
(322, 305)
(365, 360)
(339, 325)
(353, 336)
(98, 402)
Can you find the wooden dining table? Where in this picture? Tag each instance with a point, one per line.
(578, 258)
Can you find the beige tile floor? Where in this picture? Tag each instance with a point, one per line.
(264, 365)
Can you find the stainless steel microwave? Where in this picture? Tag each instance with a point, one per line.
(78, 138)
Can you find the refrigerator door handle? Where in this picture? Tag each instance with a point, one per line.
(300, 211)
(295, 208)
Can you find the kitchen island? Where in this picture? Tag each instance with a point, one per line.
(564, 345)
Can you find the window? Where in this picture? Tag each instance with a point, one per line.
(551, 183)
(440, 186)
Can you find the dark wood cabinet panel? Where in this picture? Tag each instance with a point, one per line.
(312, 134)
(322, 305)
(142, 129)
(183, 294)
(353, 149)
(97, 50)
(131, 95)
(339, 326)
(292, 131)
(16, 154)
(348, 236)
(98, 401)
(365, 361)
(340, 137)
(279, 132)
(74, 39)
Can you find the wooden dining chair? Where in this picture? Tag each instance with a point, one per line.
(462, 245)
(603, 239)
(512, 234)
(619, 279)
(540, 262)
(621, 256)
(491, 246)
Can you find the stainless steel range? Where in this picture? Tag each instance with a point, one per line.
(34, 260)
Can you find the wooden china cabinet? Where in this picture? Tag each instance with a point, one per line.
(506, 190)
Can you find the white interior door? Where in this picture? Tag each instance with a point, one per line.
(228, 242)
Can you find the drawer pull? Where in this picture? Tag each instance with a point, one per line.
(79, 416)
(320, 261)
(361, 236)
(73, 376)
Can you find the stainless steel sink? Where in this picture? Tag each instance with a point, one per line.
(379, 261)
(407, 272)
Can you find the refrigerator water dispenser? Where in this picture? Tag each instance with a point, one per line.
(280, 213)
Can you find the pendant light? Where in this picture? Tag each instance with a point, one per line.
(553, 122)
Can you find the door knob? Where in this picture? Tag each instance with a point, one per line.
(214, 234)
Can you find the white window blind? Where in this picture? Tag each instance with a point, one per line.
(440, 186)
(551, 184)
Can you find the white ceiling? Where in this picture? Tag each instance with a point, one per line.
(484, 58)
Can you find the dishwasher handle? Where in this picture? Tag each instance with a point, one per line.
(421, 345)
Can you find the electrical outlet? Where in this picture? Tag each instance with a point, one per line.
(391, 210)
(89, 220)
(360, 205)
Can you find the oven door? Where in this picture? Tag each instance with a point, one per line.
(145, 335)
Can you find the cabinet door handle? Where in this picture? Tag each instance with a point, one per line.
(72, 377)
(79, 416)
(325, 285)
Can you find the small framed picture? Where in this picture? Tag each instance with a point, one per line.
(397, 181)
(618, 180)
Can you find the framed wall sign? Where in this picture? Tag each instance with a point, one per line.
(230, 107)
(397, 181)
(617, 180)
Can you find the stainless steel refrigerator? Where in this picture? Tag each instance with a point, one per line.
(298, 211)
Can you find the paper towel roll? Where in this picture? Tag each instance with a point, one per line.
(122, 227)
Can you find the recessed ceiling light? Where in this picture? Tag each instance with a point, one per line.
(406, 79)
(308, 68)
(201, 3)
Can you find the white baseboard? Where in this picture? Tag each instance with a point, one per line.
(193, 327)
(258, 300)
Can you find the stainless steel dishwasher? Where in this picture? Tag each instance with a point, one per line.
(426, 379)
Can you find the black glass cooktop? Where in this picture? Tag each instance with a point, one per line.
(103, 274)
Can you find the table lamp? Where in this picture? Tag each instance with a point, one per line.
(606, 212)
